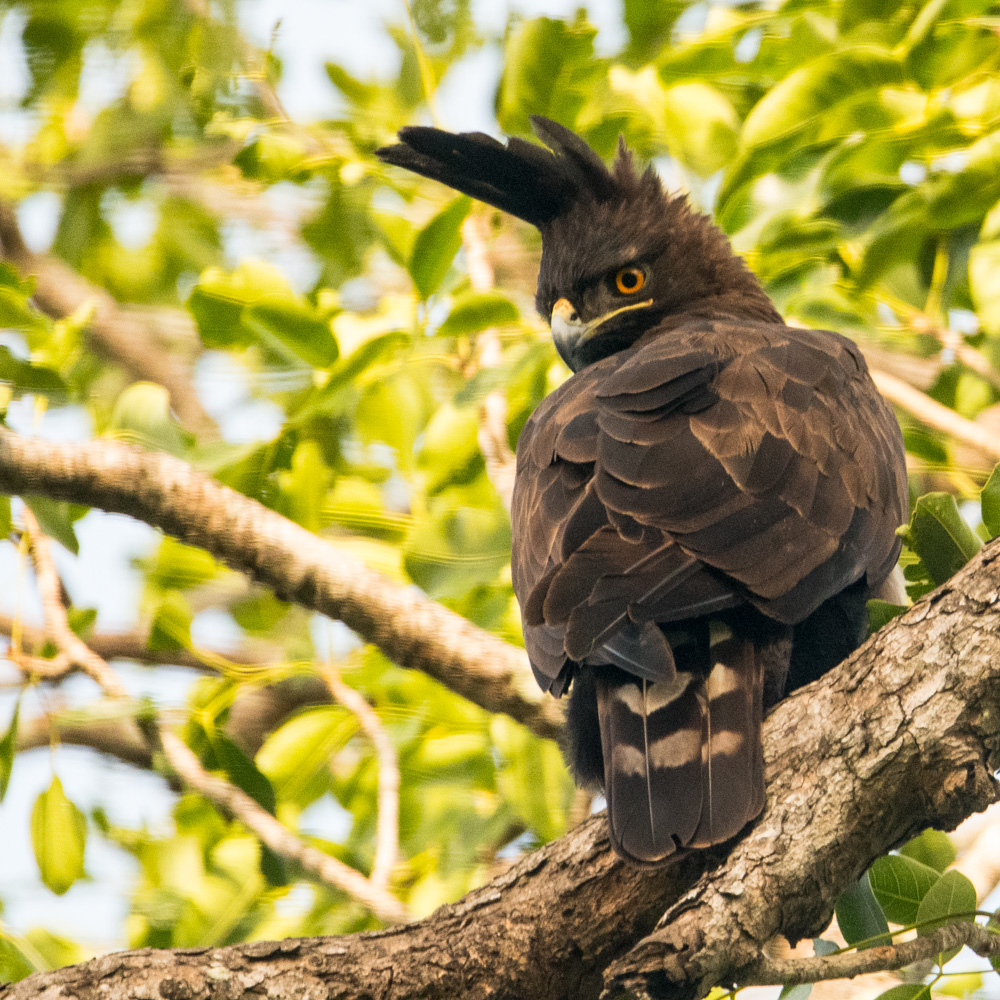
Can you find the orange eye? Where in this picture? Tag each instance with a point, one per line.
(629, 280)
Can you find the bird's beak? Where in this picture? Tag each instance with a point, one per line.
(569, 331)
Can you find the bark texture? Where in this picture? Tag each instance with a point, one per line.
(903, 735)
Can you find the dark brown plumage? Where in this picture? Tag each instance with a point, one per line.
(701, 511)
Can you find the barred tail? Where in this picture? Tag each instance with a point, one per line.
(683, 759)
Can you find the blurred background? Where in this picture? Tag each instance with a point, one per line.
(201, 255)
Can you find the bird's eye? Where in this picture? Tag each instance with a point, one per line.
(629, 280)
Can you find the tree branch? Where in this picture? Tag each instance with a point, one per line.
(134, 645)
(387, 823)
(904, 735)
(931, 412)
(184, 761)
(113, 332)
(167, 493)
(281, 840)
(793, 971)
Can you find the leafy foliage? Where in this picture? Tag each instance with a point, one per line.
(850, 149)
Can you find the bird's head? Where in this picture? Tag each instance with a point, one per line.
(618, 252)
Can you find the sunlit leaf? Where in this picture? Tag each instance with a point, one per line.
(58, 837)
(932, 848)
(436, 245)
(938, 533)
(7, 746)
(989, 500)
(900, 884)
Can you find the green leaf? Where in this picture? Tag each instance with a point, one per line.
(549, 69)
(881, 613)
(532, 778)
(907, 991)
(59, 838)
(176, 565)
(218, 299)
(821, 947)
(14, 966)
(242, 771)
(306, 484)
(938, 534)
(171, 628)
(24, 375)
(700, 125)
(990, 502)
(7, 745)
(803, 108)
(436, 245)
(800, 991)
(56, 518)
(649, 25)
(300, 749)
(932, 848)
(475, 311)
(142, 416)
(951, 899)
(6, 522)
(271, 157)
(859, 916)
(298, 326)
(899, 884)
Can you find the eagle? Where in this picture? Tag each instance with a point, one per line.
(701, 511)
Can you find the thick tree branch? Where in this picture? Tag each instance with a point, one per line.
(167, 493)
(910, 717)
(904, 735)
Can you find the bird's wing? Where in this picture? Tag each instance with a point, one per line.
(788, 476)
(714, 464)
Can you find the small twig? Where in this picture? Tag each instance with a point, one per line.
(492, 434)
(72, 647)
(929, 411)
(387, 822)
(793, 971)
(112, 330)
(493, 442)
(134, 645)
(186, 764)
(952, 340)
(282, 841)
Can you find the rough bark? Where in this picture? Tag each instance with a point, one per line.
(903, 735)
(163, 491)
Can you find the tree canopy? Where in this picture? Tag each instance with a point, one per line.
(309, 371)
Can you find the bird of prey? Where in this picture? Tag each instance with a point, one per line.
(701, 511)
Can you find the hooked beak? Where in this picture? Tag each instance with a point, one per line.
(569, 331)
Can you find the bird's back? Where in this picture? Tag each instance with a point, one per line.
(682, 508)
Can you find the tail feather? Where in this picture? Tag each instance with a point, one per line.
(683, 759)
(651, 736)
(732, 750)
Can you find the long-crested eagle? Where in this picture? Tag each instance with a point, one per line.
(701, 511)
